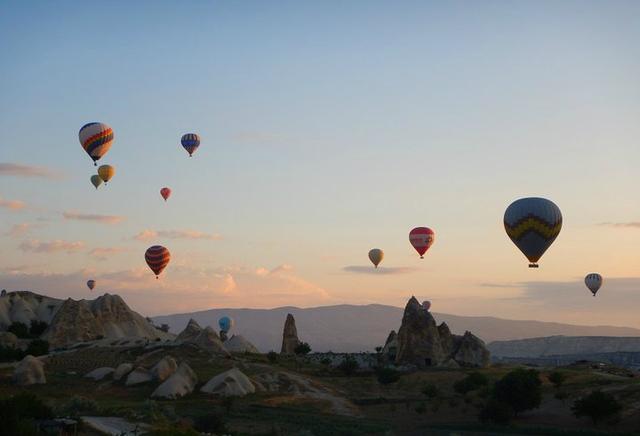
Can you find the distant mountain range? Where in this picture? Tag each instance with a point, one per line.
(352, 328)
(564, 346)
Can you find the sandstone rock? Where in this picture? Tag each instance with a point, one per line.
(25, 306)
(30, 371)
(8, 340)
(390, 348)
(238, 344)
(164, 368)
(471, 351)
(289, 336)
(122, 370)
(99, 373)
(223, 336)
(190, 332)
(209, 341)
(231, 383)
(181, 383)
(137, 376)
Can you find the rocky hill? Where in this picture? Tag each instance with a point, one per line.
(24, 306)
(564, 345)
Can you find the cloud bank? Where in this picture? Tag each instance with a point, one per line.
(36, 246)
(19, 170)
(102, 219)
(12, 204)
(147, 235)
(380, 270)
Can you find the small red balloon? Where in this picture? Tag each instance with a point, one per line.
(422, 238)
(166, 193)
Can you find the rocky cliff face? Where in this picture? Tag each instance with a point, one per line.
(190, 332)
(25, 306)
(107, 316)
(422, 343)
(289, 336)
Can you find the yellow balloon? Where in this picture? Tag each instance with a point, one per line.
(106, 172)
(376, 255)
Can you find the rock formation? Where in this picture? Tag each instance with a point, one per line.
(8, 340)
(181, 383)
(231, 383)
(24, 306)
(99, 373)
(223, 336)
(238, 344)
(122, 370)
(30, 371)
(190, 332)
(423, 343)
(209, 341)
(164, 368)
(289, 336)
(137, 376)
(390, 348)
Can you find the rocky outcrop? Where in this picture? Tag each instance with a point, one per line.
(422, 343)
(181, 383)
(231, 383)
(289, 336)
(238, 344)
(223, 336)
(190, 332)
(99, 373)
(30, 371)
(164, 368)
(122, 370)
(8, 340)
(107, 316)
(138, 376)
(209, 341)
(24, 306)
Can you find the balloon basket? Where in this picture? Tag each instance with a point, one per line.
(533, 265)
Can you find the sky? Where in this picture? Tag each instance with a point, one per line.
(328, 128)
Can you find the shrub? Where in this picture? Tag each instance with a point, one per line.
(272, 356)
(557, 378)
(471, 382)
(520, 388)
(496, 411)
(77, 406)
(387, 375)
(349, 366)
(302, 349)
(19, 329)
(18, 412)
(597, 405)
(38, 347)
(378, 350)
(211, 423)
(430, 390)
(326, 361)
(37, 328)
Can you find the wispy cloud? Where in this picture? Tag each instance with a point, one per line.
(629, 225)
(380, 270)
(12, 204)
(103, 253)
(147, 235)
(19, 229)
(103, 219)
(37, 246)
(19, 170)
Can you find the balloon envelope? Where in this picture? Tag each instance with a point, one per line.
(533, 224)
(96, 139)
(190, 142)
(91, 284)
(422, 238)
(426, 305)
(375, 256)
(106, 172)
(225, 323)
(96, 180)
(157, 258)
(593, 282)
(165, 192)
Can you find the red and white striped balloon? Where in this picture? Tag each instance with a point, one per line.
(422, 238)
(157, 258)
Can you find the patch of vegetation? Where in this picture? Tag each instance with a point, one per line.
(38, 347)
(471, 382)
(430, 391)
(37, 328)
(521, 389)
(302, 349)
(272, 356)
(557, 378)
(77, 406)
(19, 329)
(387, 375)
(17, 414)
(349, 366)
(211, 423)
(496, 412)
(598, 406)
(10, 354)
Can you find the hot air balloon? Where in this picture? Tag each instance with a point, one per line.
(376, 255)
(533, 224)
(96, 180)
(226, 323)
(422, 238)
(96, 139)
(190, 142)
(106, 172)
(166, 193)
(426, 305)
(91, 284)
(593, 282)
(157, 258)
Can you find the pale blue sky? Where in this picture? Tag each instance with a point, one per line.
(327, 128)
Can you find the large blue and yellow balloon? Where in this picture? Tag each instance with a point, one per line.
(96, 139)
(533, 224)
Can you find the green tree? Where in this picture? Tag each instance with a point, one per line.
(349, 366)
(597, 405)
(37, 328)
(557, 378)
(520, 388)
(272, 356)
(38, 347)
(430, 391)
(471, 382)
(302, 349)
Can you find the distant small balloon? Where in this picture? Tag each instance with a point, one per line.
(91, 284)
(226, 323)
(96, 180)
(375, 256)
(166, 193)
(593, 282)
(190, 142)
(106, 172)
(426, 305)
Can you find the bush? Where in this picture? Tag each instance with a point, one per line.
(302, 349)
(471, 382)
(597, 405)
(78, 406)
(38, 347)
(10, 354)
(18, 412)
(521, 389)
(496, 412)
(430, 390)
(19, 329)
(37, 328)
(387, 375)
(272, 356)
(211, 423)
(557, 378)
(349, 366)
(326, 361)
